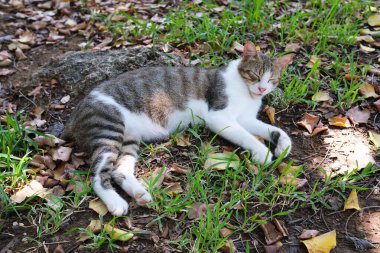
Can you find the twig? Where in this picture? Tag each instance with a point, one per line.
(51, 243)
(349, 217)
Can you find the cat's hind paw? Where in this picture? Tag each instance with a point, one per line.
(263, 156)
(283, 143)
(142, 197)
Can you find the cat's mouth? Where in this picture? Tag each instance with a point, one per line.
(257, 94)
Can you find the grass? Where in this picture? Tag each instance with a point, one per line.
(238, 199)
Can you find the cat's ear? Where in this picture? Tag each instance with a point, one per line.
(282, 62)
(249, 50)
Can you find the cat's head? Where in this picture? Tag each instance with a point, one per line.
(260, 72)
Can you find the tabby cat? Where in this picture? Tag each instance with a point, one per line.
(150, 103)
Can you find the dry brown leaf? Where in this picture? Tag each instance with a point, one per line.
(61, 153)
(179, 169)
(198, 210)
(6, 72)
(37, 112)
(228, 247)
(358, 116)
(174, 189)
(377, 105)
(5, 63)
(308, 233)
(339, 121)
(321, 244)
(33, 188)
(290, 179)
(27, 38)
(294, 47)
(314, 60)
(352, 201)
(237, 47)
(280, 226)
(98, 206)
(48, 140)
(37, 25)
(349, 77)
(43, 161)
(59, 249)
(4, 55)
(270, 232)
(56, 106)
(183, 139)
(20, 55)
(225, 232)
(367, 90)
(274, 248)
(36, 91)
(309, 122)
(270, 111)
(319, 128)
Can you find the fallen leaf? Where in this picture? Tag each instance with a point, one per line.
(308, 233)
(270, 111)
(4, 55)
(321, 96)
(158, 176)
(98, 206)
(222, 161)
(179, 169)
(6, 72)
(274, 248)
(349, 77)
(37, 112)
(237, 47)
(293, 47)
(225, 232)
(48, 140)
(321, 244)
(319, 128)
(367, 90)
(360, 244)
(27, 38)
(198, 210)
(31, 189)
(374, 138)
(174, 189)
(366, 38)
(377, 105)
(36, 91)
(309, 122)
(61, 153)
(65, 99)
(289, 179)
(95, 227)
(280, 225)
(183, 139)
(290, 170)
(44, 161)
(270, 232)
(358, 116)
(339, 121)
(59, 249)
(314, 60)
(374, 20)
(352, 201)
(366, 49)
(228, 247)
(56, 106)
(5, 63)
(37, 25)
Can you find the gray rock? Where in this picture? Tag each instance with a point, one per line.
(81, 71)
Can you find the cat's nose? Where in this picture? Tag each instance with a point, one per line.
(262, 89)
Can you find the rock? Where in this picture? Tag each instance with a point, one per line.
(81, 71)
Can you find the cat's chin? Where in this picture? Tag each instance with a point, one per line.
(257, 95)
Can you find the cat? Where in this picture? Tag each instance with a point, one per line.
(150, 103)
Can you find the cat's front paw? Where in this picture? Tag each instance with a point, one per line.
(284, 143)
(142, 197)
(117, 208)
(262, 156)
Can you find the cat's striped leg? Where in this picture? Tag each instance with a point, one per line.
(124, 176)
(104, 159)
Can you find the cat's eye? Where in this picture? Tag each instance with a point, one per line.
(253, 76)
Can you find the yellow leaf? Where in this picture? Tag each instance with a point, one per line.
(183, 139)
(98, 206)
(222, 161)
(321, 244)
(374, 20)
(339, 121)
(366, 38)
(352, 202)
(321, 96)
(270, 111)
(289, 179)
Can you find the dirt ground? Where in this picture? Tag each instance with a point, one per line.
(332, 147)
